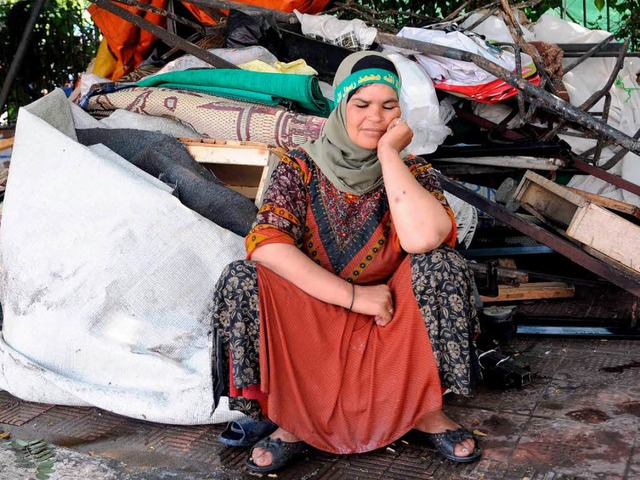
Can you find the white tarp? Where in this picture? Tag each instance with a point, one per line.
(107, 279)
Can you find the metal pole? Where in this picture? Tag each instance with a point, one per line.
(562, 108)
(20, 52)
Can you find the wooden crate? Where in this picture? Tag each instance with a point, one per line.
(580, 219)
(245, 167)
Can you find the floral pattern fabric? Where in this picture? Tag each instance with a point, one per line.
(442, 285)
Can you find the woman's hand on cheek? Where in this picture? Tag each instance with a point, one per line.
(397, 136)
(374, 300)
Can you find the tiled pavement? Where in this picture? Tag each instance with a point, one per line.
(579, 418)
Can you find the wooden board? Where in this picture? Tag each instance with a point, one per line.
(531, 291)
(245, 167)
(608, 233)
(6, 143)
(609, 203)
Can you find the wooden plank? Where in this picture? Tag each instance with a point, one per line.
(245, 167)
(531, 291)
(608, 233)
(546, 205)
(229, 155)
(609, 203)
(6, 143)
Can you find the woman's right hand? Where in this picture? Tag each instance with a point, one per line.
(374, 300)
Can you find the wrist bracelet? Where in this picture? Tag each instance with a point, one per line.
(353, 296)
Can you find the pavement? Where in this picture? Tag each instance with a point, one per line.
(579, 418)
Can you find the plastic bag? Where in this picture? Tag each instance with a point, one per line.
(246, 30)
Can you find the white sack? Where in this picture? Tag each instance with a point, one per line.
(494, 29)
(107, 279)
(420, 107)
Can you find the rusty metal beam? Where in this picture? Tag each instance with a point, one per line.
(623, 279)
(278, 15)
(596, 96)
(559, 106)
(164, 35)
(588, 54)
(606, 176)
(165, 13)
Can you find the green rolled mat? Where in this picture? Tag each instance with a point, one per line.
(259, 87)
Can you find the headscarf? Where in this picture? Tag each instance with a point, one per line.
(348, 167)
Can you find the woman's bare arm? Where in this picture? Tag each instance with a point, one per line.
(422, 223)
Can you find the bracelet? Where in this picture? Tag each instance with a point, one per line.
(353, 296)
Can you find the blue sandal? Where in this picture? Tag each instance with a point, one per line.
(246, 431)
(445, 443)
(281, 454)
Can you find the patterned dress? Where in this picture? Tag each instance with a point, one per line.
(330, 376)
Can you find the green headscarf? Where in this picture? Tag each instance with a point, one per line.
(348, 167)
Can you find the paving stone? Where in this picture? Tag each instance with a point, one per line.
(567, 447)
(578, 419)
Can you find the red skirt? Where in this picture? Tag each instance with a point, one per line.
(337, 380)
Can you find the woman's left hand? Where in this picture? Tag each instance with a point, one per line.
(397, 136)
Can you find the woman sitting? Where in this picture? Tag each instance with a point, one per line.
(354, 312)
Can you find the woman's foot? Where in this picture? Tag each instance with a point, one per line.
(263, 458)
(438, 422)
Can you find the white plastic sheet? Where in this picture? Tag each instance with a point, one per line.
(458, 72)
(347, 33)
(107, 279)
(420, 107)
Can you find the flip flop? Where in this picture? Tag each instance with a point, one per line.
(246, 431)
(281, 454)
(445, 443)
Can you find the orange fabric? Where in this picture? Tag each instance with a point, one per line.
(376, 270)
(199, 14)
(129, 44)
(303, 6)
(337, 380)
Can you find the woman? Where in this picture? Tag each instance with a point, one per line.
(353, 312)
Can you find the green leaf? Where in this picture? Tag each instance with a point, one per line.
(599, 4)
